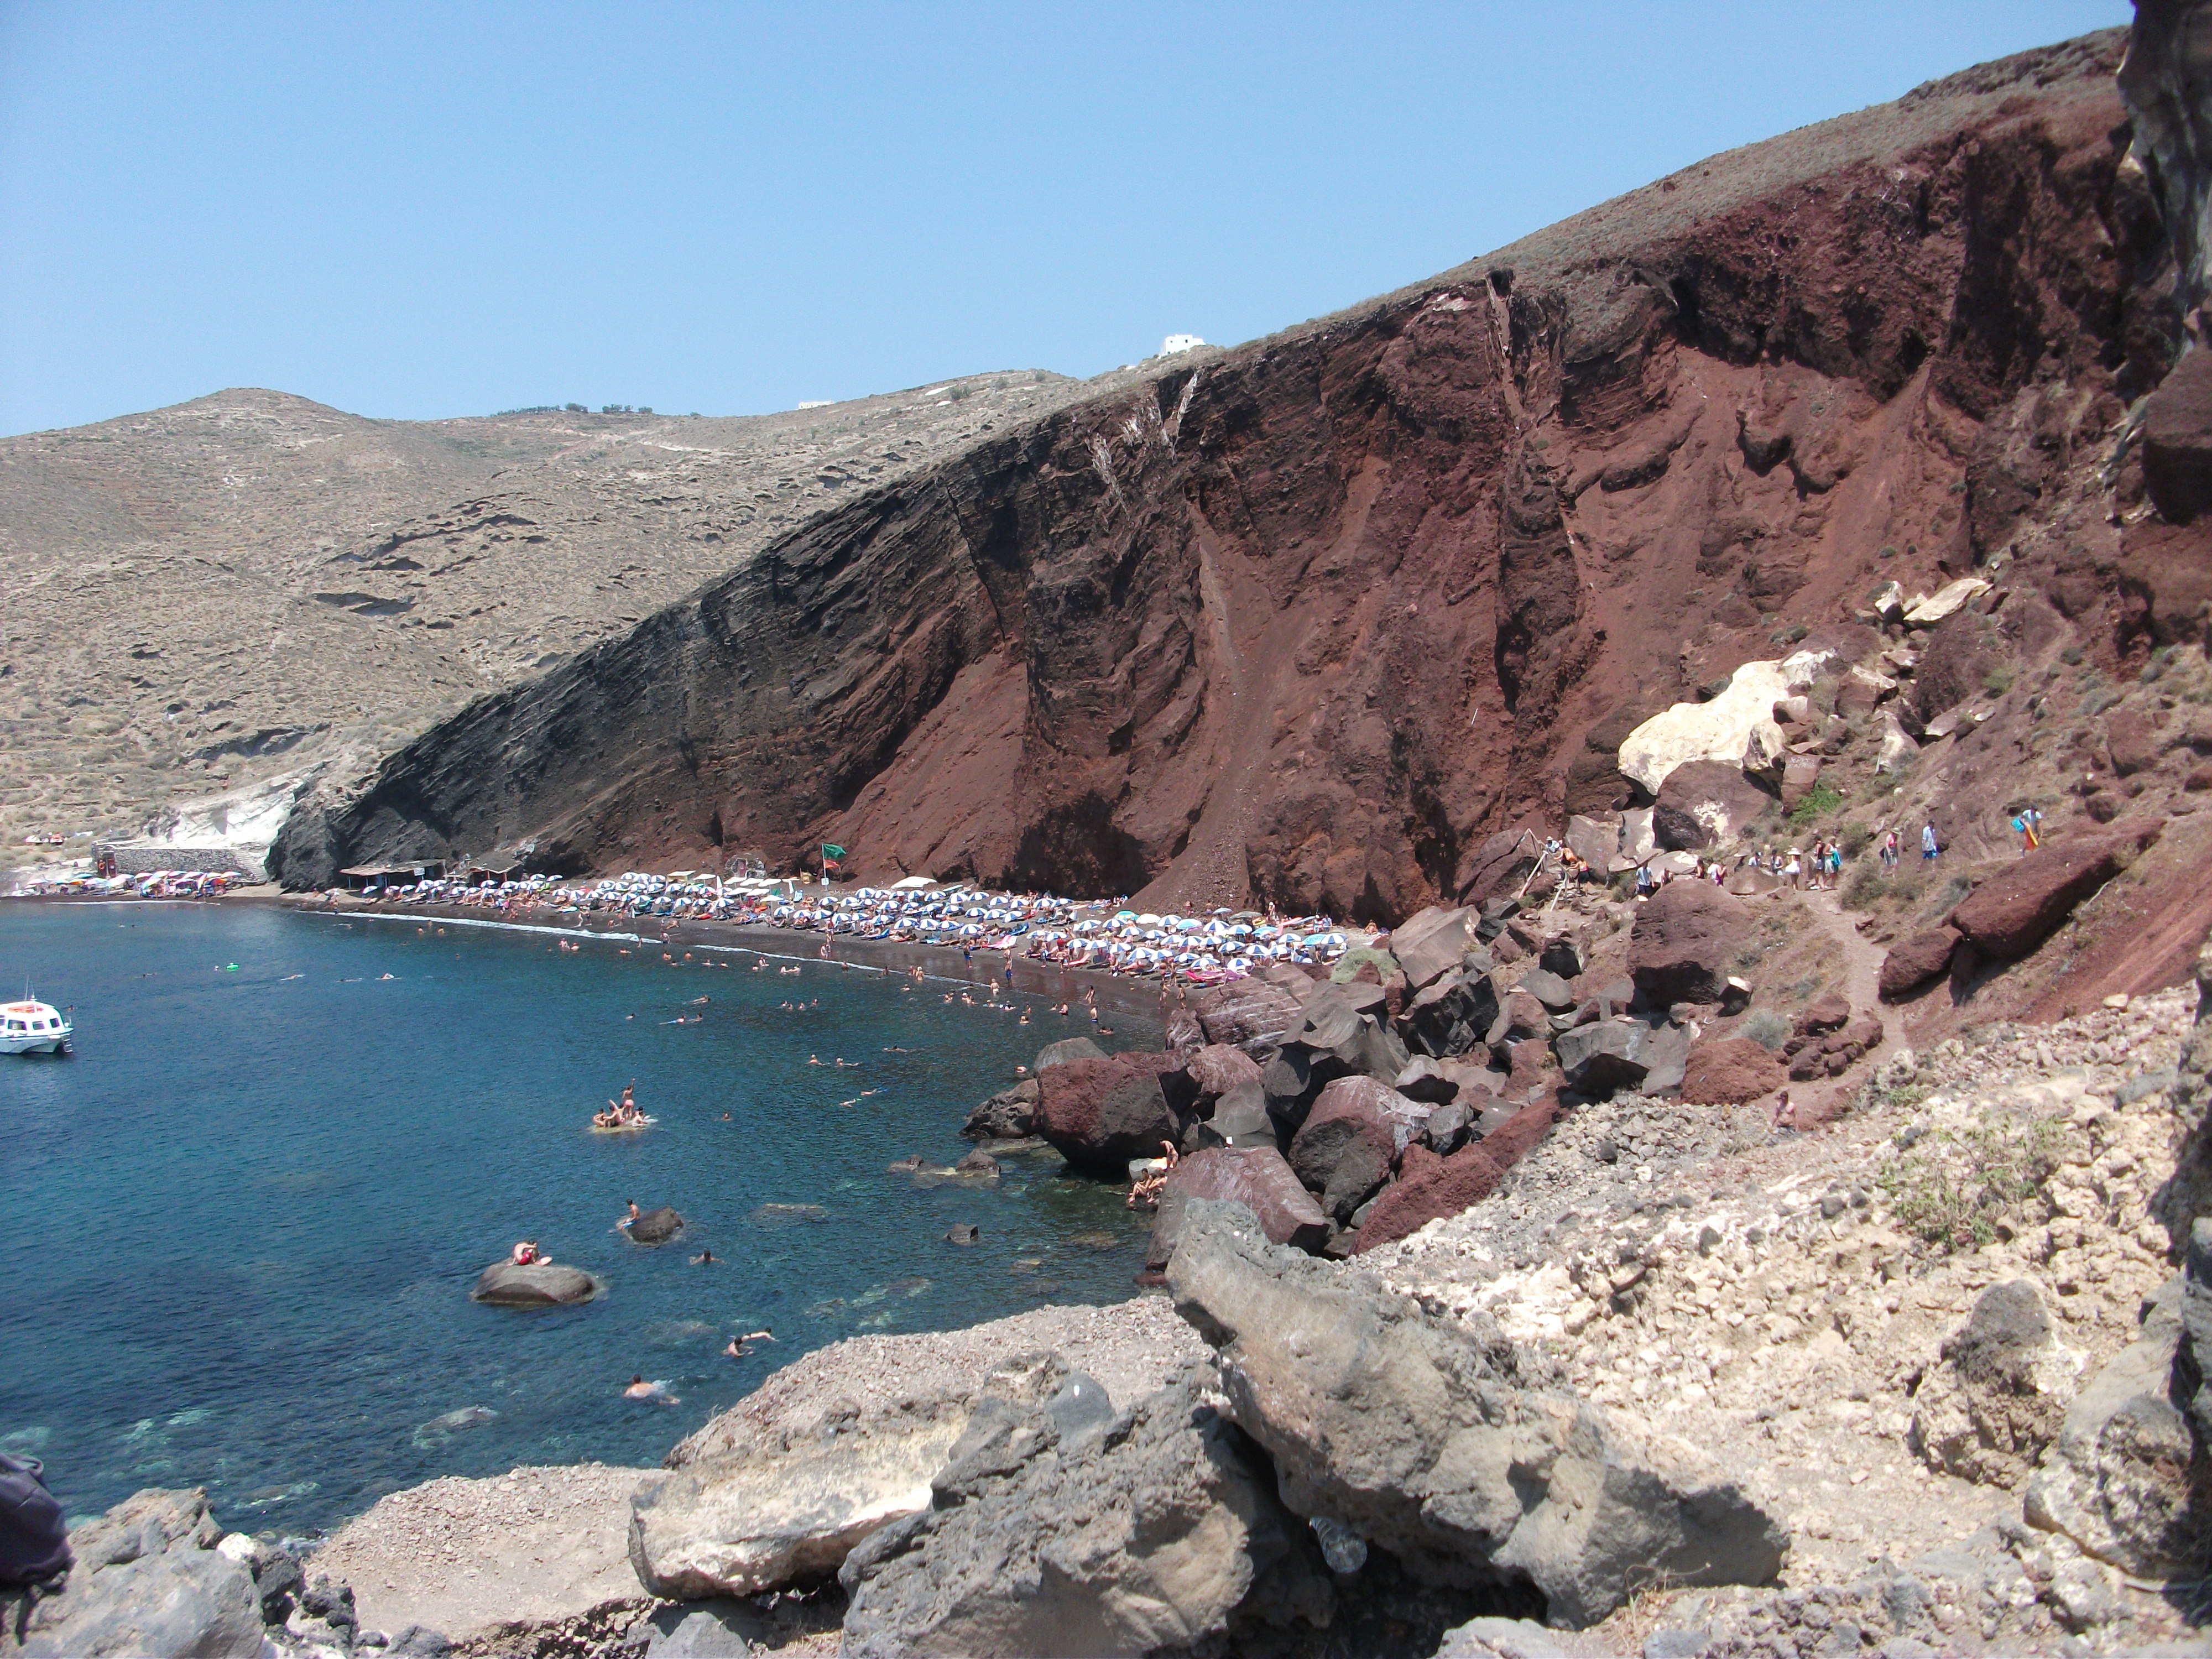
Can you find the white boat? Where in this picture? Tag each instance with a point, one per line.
(33, 1028)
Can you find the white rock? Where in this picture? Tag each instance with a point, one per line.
(1737, 727)
(1637, 842)
(1947, 600)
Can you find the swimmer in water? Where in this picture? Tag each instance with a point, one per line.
(704, 1258)
(741, 1345)
(814, 1059)
(656, 1392)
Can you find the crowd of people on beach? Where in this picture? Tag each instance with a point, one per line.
(1106, 935)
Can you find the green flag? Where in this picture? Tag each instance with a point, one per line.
(831, 850)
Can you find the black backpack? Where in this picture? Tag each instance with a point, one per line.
(34, 1534)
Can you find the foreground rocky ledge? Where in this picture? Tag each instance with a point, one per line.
(1927, 1381)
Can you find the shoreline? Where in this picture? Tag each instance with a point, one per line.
(1115, 993)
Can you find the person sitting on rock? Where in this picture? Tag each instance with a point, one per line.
(526, 1254)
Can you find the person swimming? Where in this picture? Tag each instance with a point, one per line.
(703, 1259)
(658, 1393)
(742, 1346)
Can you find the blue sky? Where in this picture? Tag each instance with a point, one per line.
(420, 210)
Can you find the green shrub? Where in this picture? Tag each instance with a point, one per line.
(1998, 681)
(1767, 1029)
(1820, 801)
(1954, 1187)
(1856, 839)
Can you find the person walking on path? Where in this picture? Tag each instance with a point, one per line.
(1928, 850)
(1889, 849)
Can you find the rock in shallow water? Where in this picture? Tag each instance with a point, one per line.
(656, 1226)
(540, 1285)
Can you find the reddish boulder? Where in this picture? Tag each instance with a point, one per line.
(1728, 1071)
(2177, 440)
(1431, 1187)
(1518, 1135)
(1250, 1014)
(1218, 1068)
(2131, 741)
(1705, 803)
(1099, 1114)
(2015, 910)
(1685, 939)
(1824, 1014)
(1799, 774)
(1439, 1188)
(1345, 1148)
(1912, 962)
(1519, 1015)
(1254, 1176)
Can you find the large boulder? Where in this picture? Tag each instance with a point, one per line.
(1736, 728)
(656, 1226)
(1431, 943)
(1451, 1016)
(540, 1285)
(1057, 1529)
(2176, 434)
(1067, 1048)
(1919, 959)
(147, 1580)
(1429, 1192)
(1218, 1068)
(1594, 841)
(1604, 1055)
(1255, 1176)
(2016, 909)
(1010, 1114)
(1705, 803)
(1999, 1395)
(1345, 1148)
(1683, 942)
(1100, 1114)
(1254, 1014)
(777, 1506)
(1548, 988)
(1239, 1118)
(1730, 1071)
(1497, 867)
(2120, 1480)
(1424, 1437)
(1799, 774)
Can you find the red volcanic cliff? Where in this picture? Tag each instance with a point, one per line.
(1314, 619)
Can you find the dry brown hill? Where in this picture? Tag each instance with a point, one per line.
(249, 583)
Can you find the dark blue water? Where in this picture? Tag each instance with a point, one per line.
(238, 1228)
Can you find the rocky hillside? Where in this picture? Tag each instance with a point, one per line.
(1316, 620)
(249, 585)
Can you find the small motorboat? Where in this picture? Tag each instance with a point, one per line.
(30, 1027)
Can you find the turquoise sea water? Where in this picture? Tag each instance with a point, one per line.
(239, 1227)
